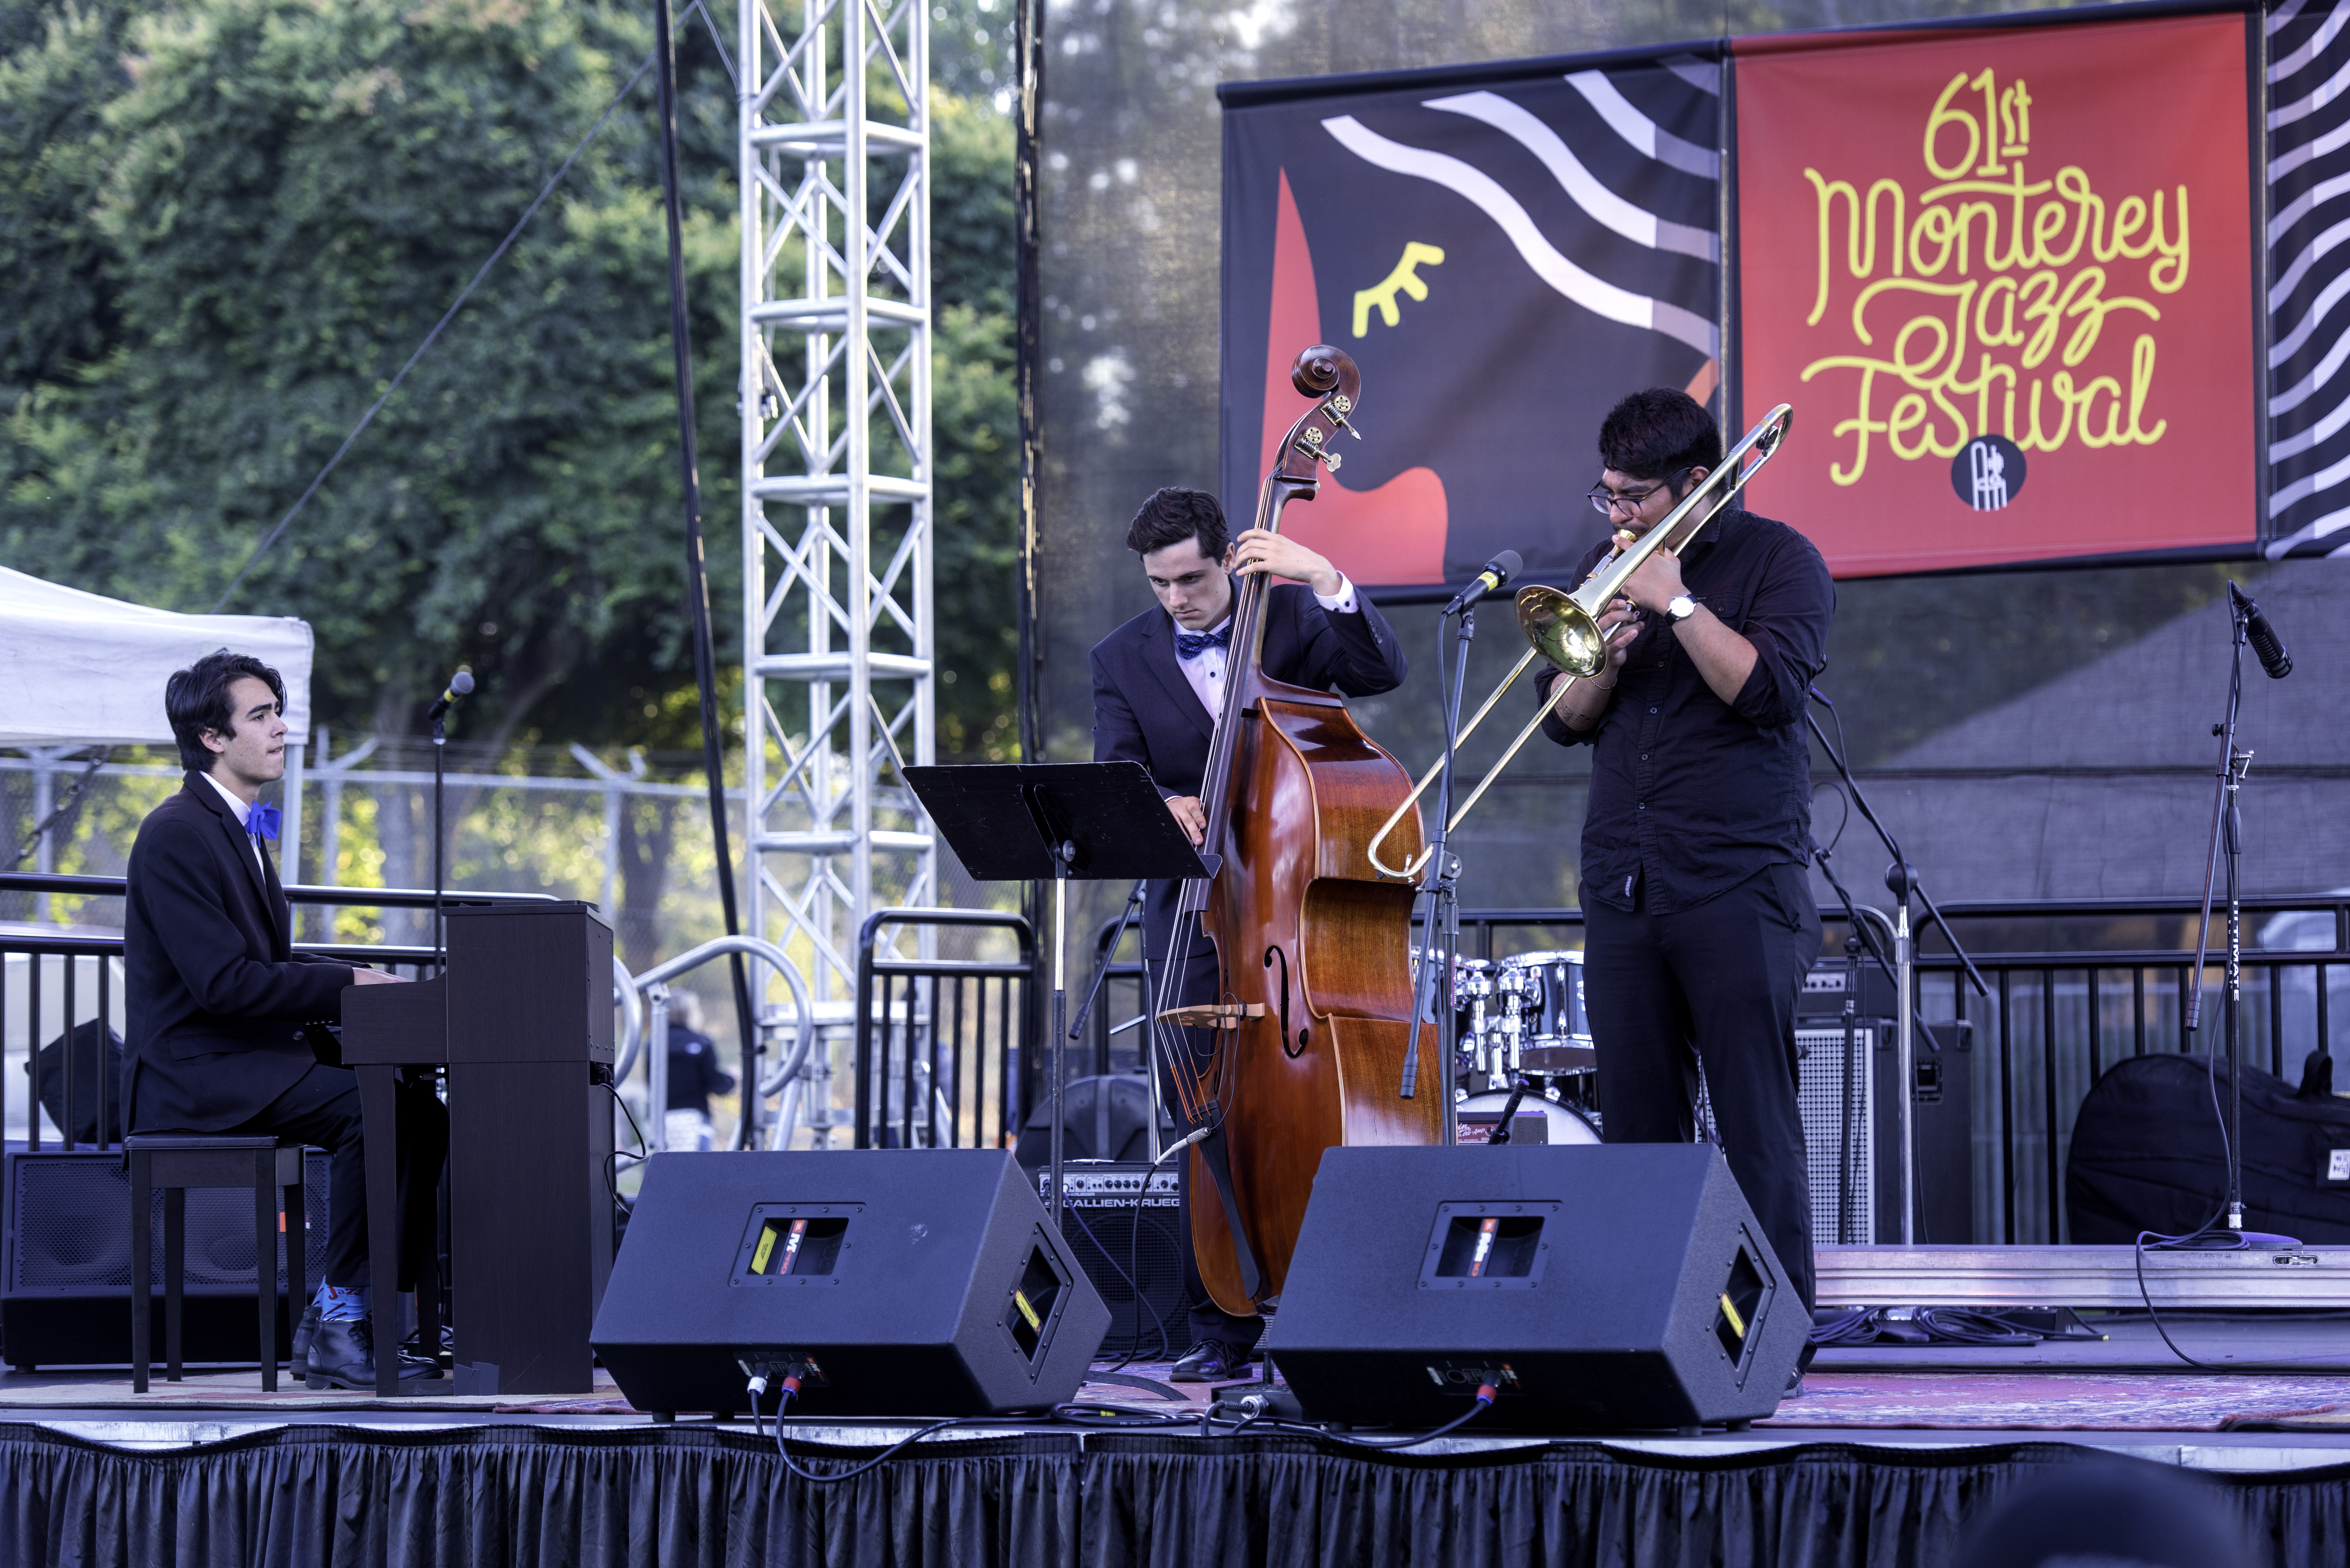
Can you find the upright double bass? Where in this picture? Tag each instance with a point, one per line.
(1306, 1046)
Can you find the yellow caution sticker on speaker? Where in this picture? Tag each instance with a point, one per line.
(1737, 1324)
(1020, 1299)
(766, 1245)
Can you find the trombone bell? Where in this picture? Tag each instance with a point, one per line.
(1561, 631)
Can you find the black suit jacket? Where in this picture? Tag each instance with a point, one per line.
(1144, 711)
(214, 994)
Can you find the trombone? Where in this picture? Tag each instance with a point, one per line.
(1565, 628)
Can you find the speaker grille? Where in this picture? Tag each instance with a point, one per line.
(1098, 1236)
(71, 1216)
(1821, 1095)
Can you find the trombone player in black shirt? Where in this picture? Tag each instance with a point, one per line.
(1698, 919)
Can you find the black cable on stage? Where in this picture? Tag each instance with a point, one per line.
(758, 1387)
(1486, 1393)
(271, 538)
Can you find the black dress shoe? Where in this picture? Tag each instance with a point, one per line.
(303, 1332)
(342, 1355)
(1210, 1361)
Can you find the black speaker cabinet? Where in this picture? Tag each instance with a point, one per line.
(1596, 1287)
(65, 1271)
(896, 1282)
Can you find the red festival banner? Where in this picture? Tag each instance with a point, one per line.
(2005, 276)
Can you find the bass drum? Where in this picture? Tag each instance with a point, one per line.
(1564, 1124)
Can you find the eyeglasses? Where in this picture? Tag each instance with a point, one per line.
(1608, 503)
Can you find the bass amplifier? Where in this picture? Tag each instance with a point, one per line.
(1852, 1132)
(1124, 1216)
(65, 1270)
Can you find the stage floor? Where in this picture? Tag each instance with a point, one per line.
(2290, 1406)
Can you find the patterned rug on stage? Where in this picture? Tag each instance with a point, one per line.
(2056, 1401)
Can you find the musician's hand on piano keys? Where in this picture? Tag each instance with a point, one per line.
(361, 975)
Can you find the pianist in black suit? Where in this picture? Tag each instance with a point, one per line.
(217, 1001)
(1159, 685)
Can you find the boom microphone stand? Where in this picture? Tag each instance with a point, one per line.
(2245, 624)
(1901, 879)
(460, 685)
(1440, 936)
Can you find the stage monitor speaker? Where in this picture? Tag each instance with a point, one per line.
(894, 1282)
(1942, 1122)
(1597, 1287)
(1112, 1236)
(64, 1273)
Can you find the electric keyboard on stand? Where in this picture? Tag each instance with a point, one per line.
(522, 1021)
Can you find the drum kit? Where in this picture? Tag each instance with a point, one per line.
(1523, 1015)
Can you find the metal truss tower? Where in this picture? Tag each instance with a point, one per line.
(832, 145)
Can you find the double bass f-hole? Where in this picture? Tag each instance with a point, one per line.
(1271, 953)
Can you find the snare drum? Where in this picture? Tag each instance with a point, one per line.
(1476, 1115)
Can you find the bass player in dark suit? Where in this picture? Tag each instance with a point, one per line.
(217, 1001)
(1158, 686)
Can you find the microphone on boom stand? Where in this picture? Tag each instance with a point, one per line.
(1497, 572)
(2265, 642)
(460, 685)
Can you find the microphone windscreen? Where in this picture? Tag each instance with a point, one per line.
(461, 683)
(1509, 561)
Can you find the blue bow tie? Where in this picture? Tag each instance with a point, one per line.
(263, 820)
(1192, 644)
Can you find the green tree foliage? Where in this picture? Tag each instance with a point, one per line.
(225, 224)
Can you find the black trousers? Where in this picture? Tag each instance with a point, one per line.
(1196, 983)
(1714, 984)
(322, 1109)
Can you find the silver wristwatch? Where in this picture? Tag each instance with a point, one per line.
(1681, 606)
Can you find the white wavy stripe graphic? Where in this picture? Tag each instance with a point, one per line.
(2308, 484)
(2299, 206)
(1643, 134)
(1704, 75)
(1474, 186)
(2292, 343)
(2285, 163)
(2309, 386)
(2331, 522)
(2302, 440)
(2326, 34)
(2303, 107)
(2309, 257)
(1635, 223)
(2283, 16)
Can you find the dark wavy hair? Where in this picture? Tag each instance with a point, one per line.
(196, 699)
(1658, 433)
(1172, 515)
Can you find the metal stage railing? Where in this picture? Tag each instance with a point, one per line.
(943, 1049)
(940, 1056)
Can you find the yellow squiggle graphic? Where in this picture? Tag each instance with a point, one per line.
(1405, 277)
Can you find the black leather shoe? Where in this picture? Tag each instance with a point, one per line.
(303, 1332)
(1795, 1385)
(1210, 1361)
(342, 1355)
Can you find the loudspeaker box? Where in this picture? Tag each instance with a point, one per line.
(893, 1282)
(1596, 1286)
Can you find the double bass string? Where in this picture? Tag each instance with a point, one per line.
(1192, 1067)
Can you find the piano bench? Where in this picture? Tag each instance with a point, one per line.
(176, 1162)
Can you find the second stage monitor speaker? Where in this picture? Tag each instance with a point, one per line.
(893, 1282)
(1596, 1287)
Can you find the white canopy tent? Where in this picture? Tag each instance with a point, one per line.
(85, 670)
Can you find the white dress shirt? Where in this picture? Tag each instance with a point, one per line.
(244, 818)
(1206, 673)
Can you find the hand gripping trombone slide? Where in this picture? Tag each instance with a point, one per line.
(1565, 628)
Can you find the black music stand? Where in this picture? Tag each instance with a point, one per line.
(1088, 822)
